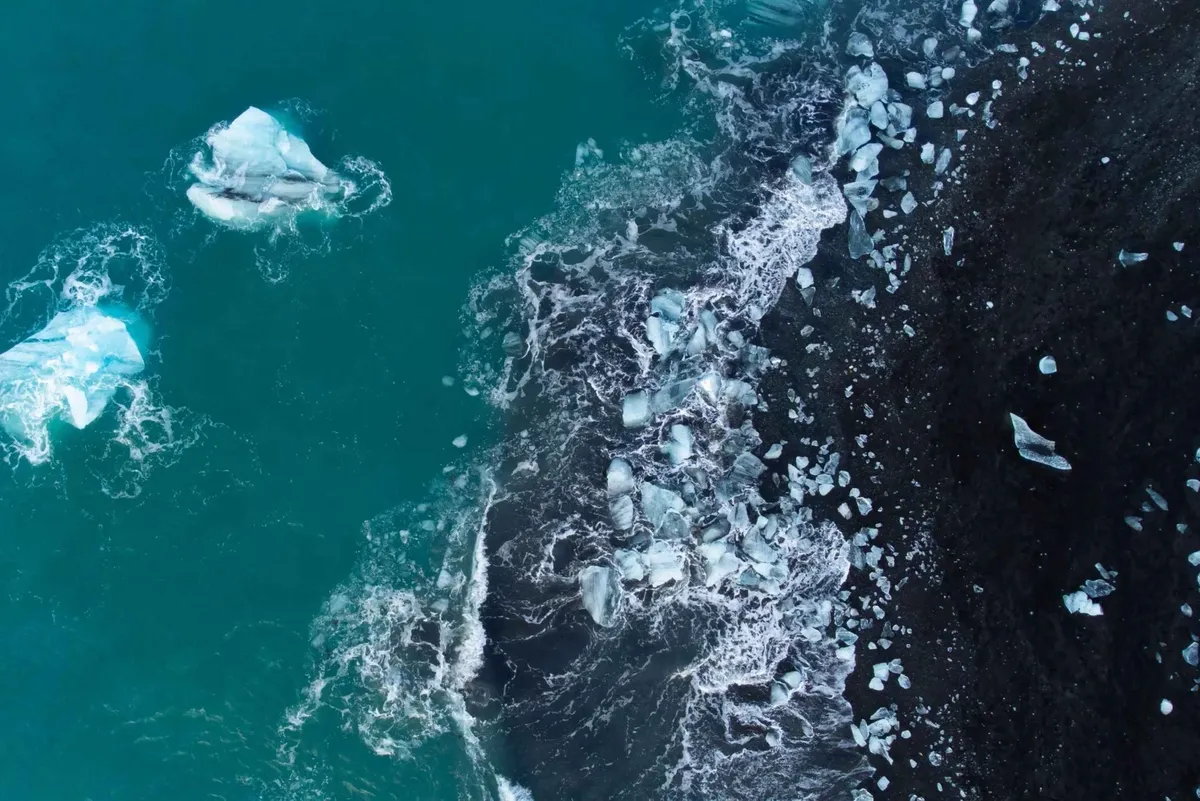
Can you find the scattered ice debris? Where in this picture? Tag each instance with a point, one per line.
(935, 110)
(601, 591)
(1033, 446)
(1078, 603)
(1047, 365)
(1128, 259)
(948, 240)
(460, 441)
(908, 203)
(860, 45)
(635, 410)
(1134, 523)
(1178, 246)
(867, 85)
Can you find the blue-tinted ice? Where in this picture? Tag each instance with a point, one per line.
(1034, 447)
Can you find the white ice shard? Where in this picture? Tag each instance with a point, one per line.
(1128, 259)
(663, 508)
(936, 110)
(1078, 603)
(1034, 447)
(1047, 365)
(860, 45)
(864, 157)
(969, 10)
(858, 193)
(69, 370)
(908, 203)
(1191, 655)
(256, 171)
(620, 509)
(854, 130)
(948, 240)
(867, 85)
(601, 591)
(915, 80)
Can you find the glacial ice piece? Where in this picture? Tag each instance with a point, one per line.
(1178, 246)
(865, 156)
(855, 130)
(757, 548)
(601, 591)
(927, 153)
(620, 511)
(860, 45)
(1078, 603)
(619, 477)
(629, 563)
(679, 448)
(1166, 707)
(669, 303)
(258, 172)
(664, 509)
(867, 85)
(747, 468)
(948, 240)
(671, 395)
(1191, 655)
(936, 110)
(1047, 365)
(1035, 447)
(915, 80)
(659, 335)
(1128, 259)
(879, 115)
(635, 410)
(908, 203)
(1097, 588)
(460, 441)
(860, 241)
(969, 10)
(943, 161)
(69, 370)
(858, 193)
(1158, 499)
(664, 563)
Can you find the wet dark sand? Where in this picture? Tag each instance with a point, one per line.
(1041, 704)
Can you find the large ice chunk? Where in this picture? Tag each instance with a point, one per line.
(601, 591)
(1078, 603)
(867, 85)
(1035, 447)
(860, 45)
(664, 563)
(69, 370)
(664, 509)
(257, 171)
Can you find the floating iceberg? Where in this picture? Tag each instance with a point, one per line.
(1035, 447)
(259, 172)
(601, 591)
(69, 370)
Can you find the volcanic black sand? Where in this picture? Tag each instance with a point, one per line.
(1035, 702)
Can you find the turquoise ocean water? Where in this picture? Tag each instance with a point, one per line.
(152, 643)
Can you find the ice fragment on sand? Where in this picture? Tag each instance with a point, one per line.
(804, 278)
(908, 203)
(460, 441)
(936, 110)
(860, 241)
(1128, 259)
(1178, 246)
(1034, 447)
(855, 130)
(747, 468)
(972, 98)
(774, 452)
(1047, 365)
(999, 7)
(258, 171)
(858, 192)
(879, 115)
(1166, 707)
(948, 240)
(860, 45)
(601, 592)
(943, 161)
(635, 410)
(915, 80)
(927, 152)
(1191, 655)
(900, 115)
(864, 157)
(867, 85)
(1023, 68)
(69, 370)
(1079, 603)
(1134, 523)
(1193, 484)
(1158, 499)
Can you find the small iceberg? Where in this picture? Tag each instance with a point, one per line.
(1035, 447)
(259, 172)
(69, 371)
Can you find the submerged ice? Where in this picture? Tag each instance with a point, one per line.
(258, 171)
(68, 371)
